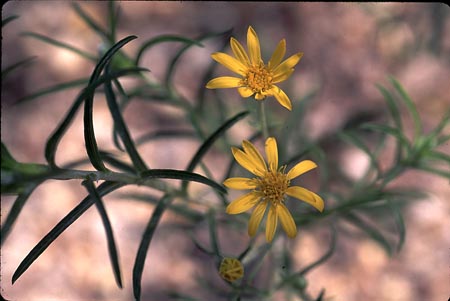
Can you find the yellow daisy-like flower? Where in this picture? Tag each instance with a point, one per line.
(231, 269)
(269, 188)
(256, 78)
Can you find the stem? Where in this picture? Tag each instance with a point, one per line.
(263, 120)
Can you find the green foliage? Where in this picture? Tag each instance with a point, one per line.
(364, 203)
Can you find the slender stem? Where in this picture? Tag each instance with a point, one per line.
(263, 119)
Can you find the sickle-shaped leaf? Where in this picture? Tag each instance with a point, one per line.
(73, 215)
(89, 134)
(59, 44)
(112, 249)
(209, 142)
(121, 127)
(181, 175)
(55, 138)
(163, 38)
(141, 255)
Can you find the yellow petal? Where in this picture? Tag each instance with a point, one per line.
(224, 82)
(306, 196)
(240, 183)
(272, 153)
(253, 46)
(260, 96)
(288, 64)
(229, 62)
(245, 92)
(278, 54)
(243, 203)
(300, 168)
(281, 97)
(286, 220)
(239, 51)
(244, 160)
(256, 217)
(282, 76)
(271, 224)
(254, 155)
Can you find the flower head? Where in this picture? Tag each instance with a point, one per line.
(231, 269)
(269, 188)
(256, 78)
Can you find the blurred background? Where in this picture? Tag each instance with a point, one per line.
(348, 48)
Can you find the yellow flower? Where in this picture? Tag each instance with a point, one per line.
(231, 269)
(269, 188)
(256, 78)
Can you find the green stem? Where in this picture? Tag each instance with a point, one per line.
(263, 120)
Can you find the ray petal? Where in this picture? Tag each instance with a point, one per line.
(301, 168)
(278, 54)
(239, 51)
(288, 64)
(253, 46)
(243, 203)
(229, 62)
(272, 153)
(254, 155)
(245, 92)
(286, 220)
(224, 82)
(281, 97)
(256, 217)
(244, 160)
(240, 183)
(271, 224)
(306, 196)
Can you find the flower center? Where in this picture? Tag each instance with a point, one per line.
(273, 186)
(258, 78)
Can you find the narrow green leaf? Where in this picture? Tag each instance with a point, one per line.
(425, 167)
(163, 134)
(440, 156)
(352, 138)
(180, 209)
(443, 139)
(201, 91)
(113, 16)
(410, 106)
(7, 70)
(15, 210)
(209, 142)
(7, 160)
(247, 250)
(55, 138)
(181, 175)
(399, 222)
(161, 39)
(59, 44)
(71, 217)
(8, 19)
(112, 249)
(89, 134)
(393, 109)
(396, 133)
(213, 233)
(324, 257)
(292, 126)
(56, 88)
(121, 127)
(177, 56)
(90, 22)
(371, 231)
(147, 236)
(181, 297)
(109, 158)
